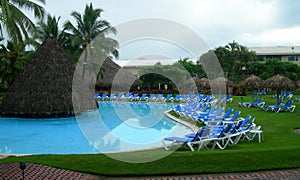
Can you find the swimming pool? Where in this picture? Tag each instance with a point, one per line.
(115, 127)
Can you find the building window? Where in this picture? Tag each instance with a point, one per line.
(292, 58)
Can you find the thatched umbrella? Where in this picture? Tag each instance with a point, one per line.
(221, 82)
(44, 87)
(252, 82)
(279, 82)
(298, 83)
(204, 82)
(192, 81)
(116, 76)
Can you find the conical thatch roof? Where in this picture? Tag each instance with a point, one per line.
(298, 83)
(252, 82)
(44, 87)
(279, 82)
(116, 76)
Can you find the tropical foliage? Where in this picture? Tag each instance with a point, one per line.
(157, 76)
(48, 29)
(12, 60)
(272, 67)
(235, 59)
(88, 26)
(16, 23)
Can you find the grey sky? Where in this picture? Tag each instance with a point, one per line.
(218, 22)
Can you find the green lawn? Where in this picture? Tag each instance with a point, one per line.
(280, 149)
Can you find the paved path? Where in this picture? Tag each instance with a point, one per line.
(11, 171)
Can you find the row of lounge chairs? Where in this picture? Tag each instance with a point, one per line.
(160, 97)
(261, 92)
(219, 135)
(258, 102)
(222, 128)
(144, 97)
(288, 107)
(284, 95)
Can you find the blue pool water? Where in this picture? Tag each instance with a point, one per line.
(116, 126)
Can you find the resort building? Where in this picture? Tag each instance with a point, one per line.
(281, 53)
(133, 65)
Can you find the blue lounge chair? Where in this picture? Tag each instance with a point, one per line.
(120, 95)
(263, 92)
(256, 103)
(112, 96)
(188, 141)
(205, 114)
(143, 97)
(151, 97)
(135, 97)
(255, 92)
(176, 98)
(168, 98)
(96, 95)
(220, 119)
(229, 99)
(210, 117)
(288, 106)
(103, 96)
(185, 98)
(159, 97)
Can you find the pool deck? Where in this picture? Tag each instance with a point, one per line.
(41, 172)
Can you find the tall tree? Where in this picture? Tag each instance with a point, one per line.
(88, 26)
(15, 22)
(48, 29)
(235, 59)
(12, 60)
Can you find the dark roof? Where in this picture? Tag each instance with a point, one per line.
(116, 77)
(44, 87)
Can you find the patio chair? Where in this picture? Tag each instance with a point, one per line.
(188, 141)
(243, 131)
(263, 92)
(112, 96)
(135, 97)
(226, 120)
(143, 97)
(176, 98)
(151, 97)
(96, 95)
(255, 92)
(168, 98)
(103, 96)
(185, 98)
(159, 97)
(212, 116)
(193, 111)
(288, 106)
(256, 103)
(204, 114)
(229, 99)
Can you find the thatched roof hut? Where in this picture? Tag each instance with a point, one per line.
(252, 82)
(279, 82)
(44, 87)
(115, 77)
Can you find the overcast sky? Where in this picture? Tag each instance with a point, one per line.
(218, 22)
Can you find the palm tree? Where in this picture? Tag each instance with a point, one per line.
(88, 26)
(12, 60)
(15, 22)
(48, 29)
(88, 37)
